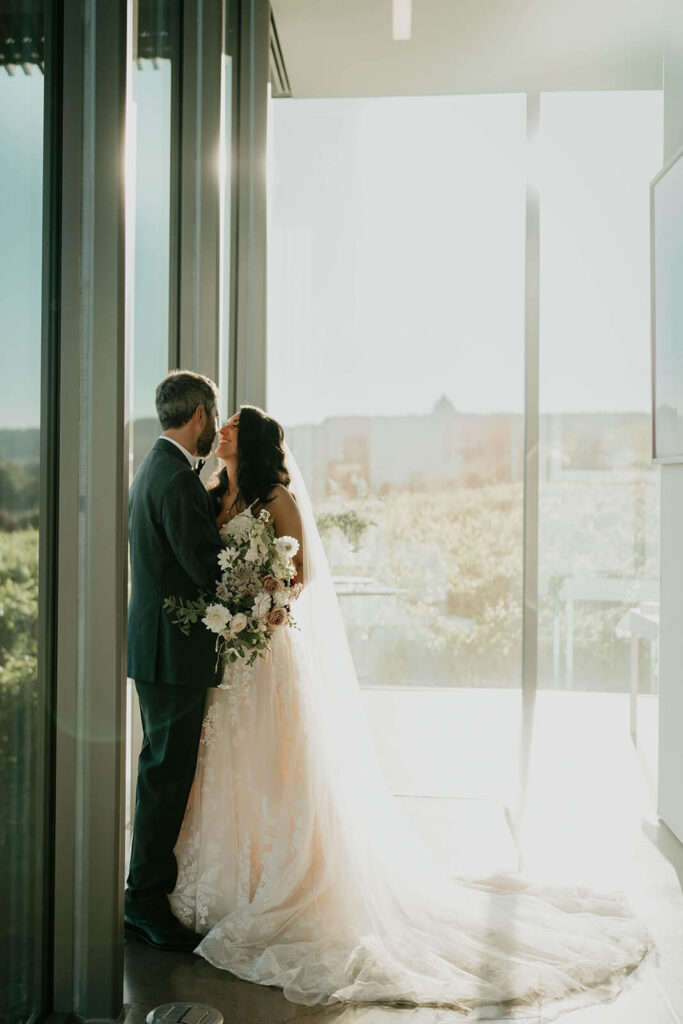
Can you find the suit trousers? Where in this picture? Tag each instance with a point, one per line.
(172, 723)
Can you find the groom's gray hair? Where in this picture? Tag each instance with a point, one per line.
(179, 394)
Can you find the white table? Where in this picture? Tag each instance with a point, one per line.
(608, 589)
(636, 625)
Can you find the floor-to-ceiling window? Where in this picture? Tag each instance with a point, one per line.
(396, 364)
(396, 355)
(149, 190)
(24, 768)
(179, 255)
(598, 493)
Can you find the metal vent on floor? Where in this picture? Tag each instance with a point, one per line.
(184, 1013)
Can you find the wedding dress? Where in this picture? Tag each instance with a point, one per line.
(299, 871)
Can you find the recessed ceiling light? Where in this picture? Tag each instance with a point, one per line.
(402, 18)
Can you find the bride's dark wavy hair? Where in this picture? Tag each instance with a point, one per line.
(260, 460)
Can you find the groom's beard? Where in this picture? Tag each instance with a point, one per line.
(205, 441)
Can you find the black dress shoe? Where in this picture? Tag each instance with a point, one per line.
(162, 935)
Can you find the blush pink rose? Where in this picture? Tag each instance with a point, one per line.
(277, 618)
(271, 585)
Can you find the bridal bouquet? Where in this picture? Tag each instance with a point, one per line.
(253, 594)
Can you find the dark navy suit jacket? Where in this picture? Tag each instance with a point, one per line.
(174, 544)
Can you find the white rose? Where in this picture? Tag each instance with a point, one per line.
(216, 618)
(261, 605)
(281, 598)
(287, 546)
(238, 623)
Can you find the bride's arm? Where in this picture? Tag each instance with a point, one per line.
(224, 514)
(220, 498)
(287, 523)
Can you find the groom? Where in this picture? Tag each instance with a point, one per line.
(174, 544)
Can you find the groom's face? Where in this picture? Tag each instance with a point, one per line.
(205, 439)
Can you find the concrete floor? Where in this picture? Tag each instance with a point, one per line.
(560, 792)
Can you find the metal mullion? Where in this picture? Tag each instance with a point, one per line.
(282, 87)
(209, 253)
(187, 195)
(250, 355)
(68, 514)
(531, 408)
(232, 23)
(92, 522)
(177, 48)
(104, 473)
(49, 454)
(198, 199)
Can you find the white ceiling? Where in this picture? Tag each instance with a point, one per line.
(345, 48)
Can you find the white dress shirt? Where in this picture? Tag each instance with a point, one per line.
(190, 458)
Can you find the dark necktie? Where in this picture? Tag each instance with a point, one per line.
(200, 465)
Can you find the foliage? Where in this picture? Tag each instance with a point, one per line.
(352, 523)
(185, 613)
(19, 486)
(19, 755)
(18, 609)
(454, 560)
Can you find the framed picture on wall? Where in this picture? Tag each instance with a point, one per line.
(666, 260)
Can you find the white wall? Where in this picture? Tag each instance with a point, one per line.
(671, 643)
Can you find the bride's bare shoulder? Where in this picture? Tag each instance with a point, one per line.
(285, 512)
(281, 497)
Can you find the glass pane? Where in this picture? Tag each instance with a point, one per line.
(152, 182)
(226, 233)
(396, 287)
(23, 781)
(148, 196)
(599, 495)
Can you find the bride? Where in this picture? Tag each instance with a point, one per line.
(293, 861)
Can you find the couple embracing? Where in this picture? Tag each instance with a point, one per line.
(264, 837)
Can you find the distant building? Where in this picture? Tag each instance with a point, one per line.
(356, 455)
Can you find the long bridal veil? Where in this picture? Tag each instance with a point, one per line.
(345, 904)
(337, 712)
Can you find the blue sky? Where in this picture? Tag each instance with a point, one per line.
(21, 178)
(21, 144)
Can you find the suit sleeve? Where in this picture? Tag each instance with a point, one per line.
(191, 529)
